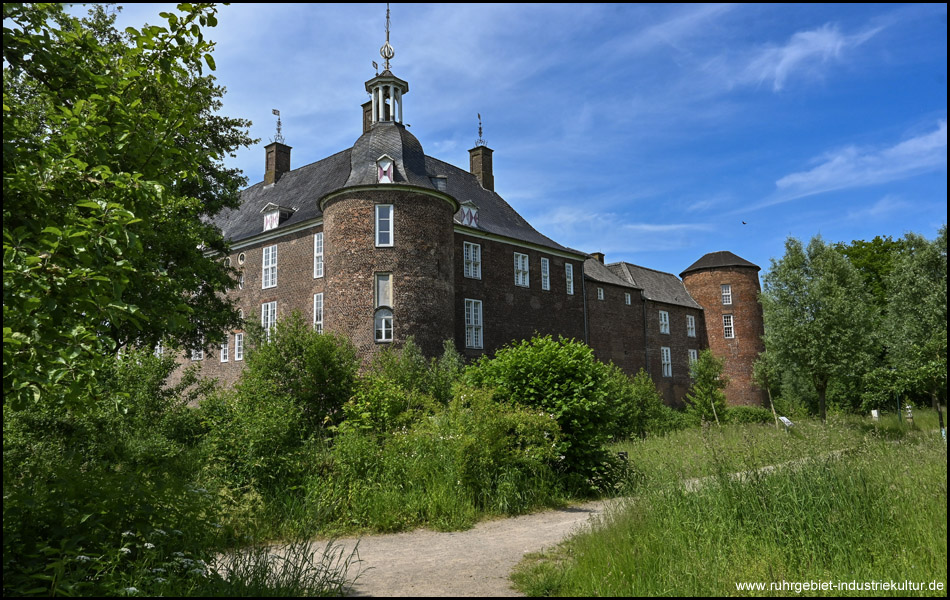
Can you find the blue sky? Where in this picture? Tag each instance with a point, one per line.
(647, 132)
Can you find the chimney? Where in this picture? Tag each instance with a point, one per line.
(599, 256)
(367, 115)
(480, 166)
(276, 162)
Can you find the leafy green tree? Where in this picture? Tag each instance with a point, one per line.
(818, 320)
(875, 261)
(706, 399)
(917, 315)
(112, 165)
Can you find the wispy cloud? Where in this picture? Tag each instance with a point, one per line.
(805, 52)
(886, 206)
(857, 167)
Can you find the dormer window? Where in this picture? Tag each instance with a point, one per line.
(384, 169)
(271, 220)
(439, 182)
(468, 214)
(275, 214)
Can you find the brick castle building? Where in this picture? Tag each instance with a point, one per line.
(381, 242)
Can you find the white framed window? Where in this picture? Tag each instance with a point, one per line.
(269, 274)
(224, 351)
(600, 293)
(318, 312)
(241, 282)
(693, 356)
(271, 220)
(472, 255)
(726, 293)
(318, 255)
(545, 274)
(690, 326)
(664, 322)
(238, 346)
(384, 325)
(626, 298)
(728, 331)
(268, 317)
(241, 258)
(473, 323)
(666, 361)
(521, 270)
(384, 225)
(569, 277)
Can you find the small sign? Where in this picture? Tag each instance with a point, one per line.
(876, 414)
(787, 423)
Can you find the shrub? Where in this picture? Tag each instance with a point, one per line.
(637, 404)
(410, 370)
(741, 415)
(706, 400)
(561, 378)
(380, 406)
(315, 370)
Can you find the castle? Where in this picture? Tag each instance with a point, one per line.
(380, 242)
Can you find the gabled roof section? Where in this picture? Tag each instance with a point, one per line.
(298, 189)
(597, 271)
(494, 214)
(657, 285)
(716, 260)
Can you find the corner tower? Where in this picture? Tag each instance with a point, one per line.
(727, 287)
(389, 235)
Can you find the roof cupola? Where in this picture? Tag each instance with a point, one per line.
(386, 89)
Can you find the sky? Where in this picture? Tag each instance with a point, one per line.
(652, 133)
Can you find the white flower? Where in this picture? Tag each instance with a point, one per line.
(82, 558)
(149, 545)
(131, 590)
(159, 532)
(125, 550)
(158, 570)
(197, 572)
(127, 533)
(160, 580)
(178, 554)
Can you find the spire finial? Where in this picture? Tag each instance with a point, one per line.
(280, 137)
(480, 141)
(387, 51)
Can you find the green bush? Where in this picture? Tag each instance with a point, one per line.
(741, 415)
(637, 404)
(407, 368)
(317, 371)
(706, 400)
(561, 378)
(381, 406)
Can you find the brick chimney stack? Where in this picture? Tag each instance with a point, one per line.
(276, 161)
(367, 115)
(480, 166)
(599, 256)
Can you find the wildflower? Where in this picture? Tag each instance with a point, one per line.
(83, 558)
(125, 550)
(158, 570)
(131, 590)
(149, 545)
(178, 554)
(160, 580)
(197, 572)
(127, 533)
(159, 532)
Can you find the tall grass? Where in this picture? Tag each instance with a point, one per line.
(876, 512)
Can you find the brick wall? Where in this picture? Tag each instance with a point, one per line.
(511, 312)
(741, 351)
(615, 328)
(420, 261)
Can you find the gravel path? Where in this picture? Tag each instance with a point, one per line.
(460, 563)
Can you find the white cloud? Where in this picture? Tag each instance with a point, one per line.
(856, 167)
(886, 206)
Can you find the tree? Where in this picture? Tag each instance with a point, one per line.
(916, 323)
(818, 319)
(707, 397)
(112, 168)
(875, 261)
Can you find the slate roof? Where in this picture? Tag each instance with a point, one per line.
(715, 260)
(657, 285)
(597, 271)
(302, 188)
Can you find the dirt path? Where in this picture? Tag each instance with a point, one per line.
(460, 563)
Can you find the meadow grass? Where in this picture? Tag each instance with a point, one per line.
(876, 510)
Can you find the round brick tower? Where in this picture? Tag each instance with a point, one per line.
(727, 287)
(388, 238)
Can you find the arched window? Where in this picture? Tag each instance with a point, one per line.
(384, 325)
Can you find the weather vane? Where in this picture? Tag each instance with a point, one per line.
(280, 137)
(387, 51)
(480, 141)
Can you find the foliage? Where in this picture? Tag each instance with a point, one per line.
(382, 407)
(561, 378)
(100, 500)
(743, 415)
(817, 317)
(112, 163)
(637, 404)
(706, 400)
(916, 324)
(468, 458)
(317, 371)
(407, 368)
(874, 261)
